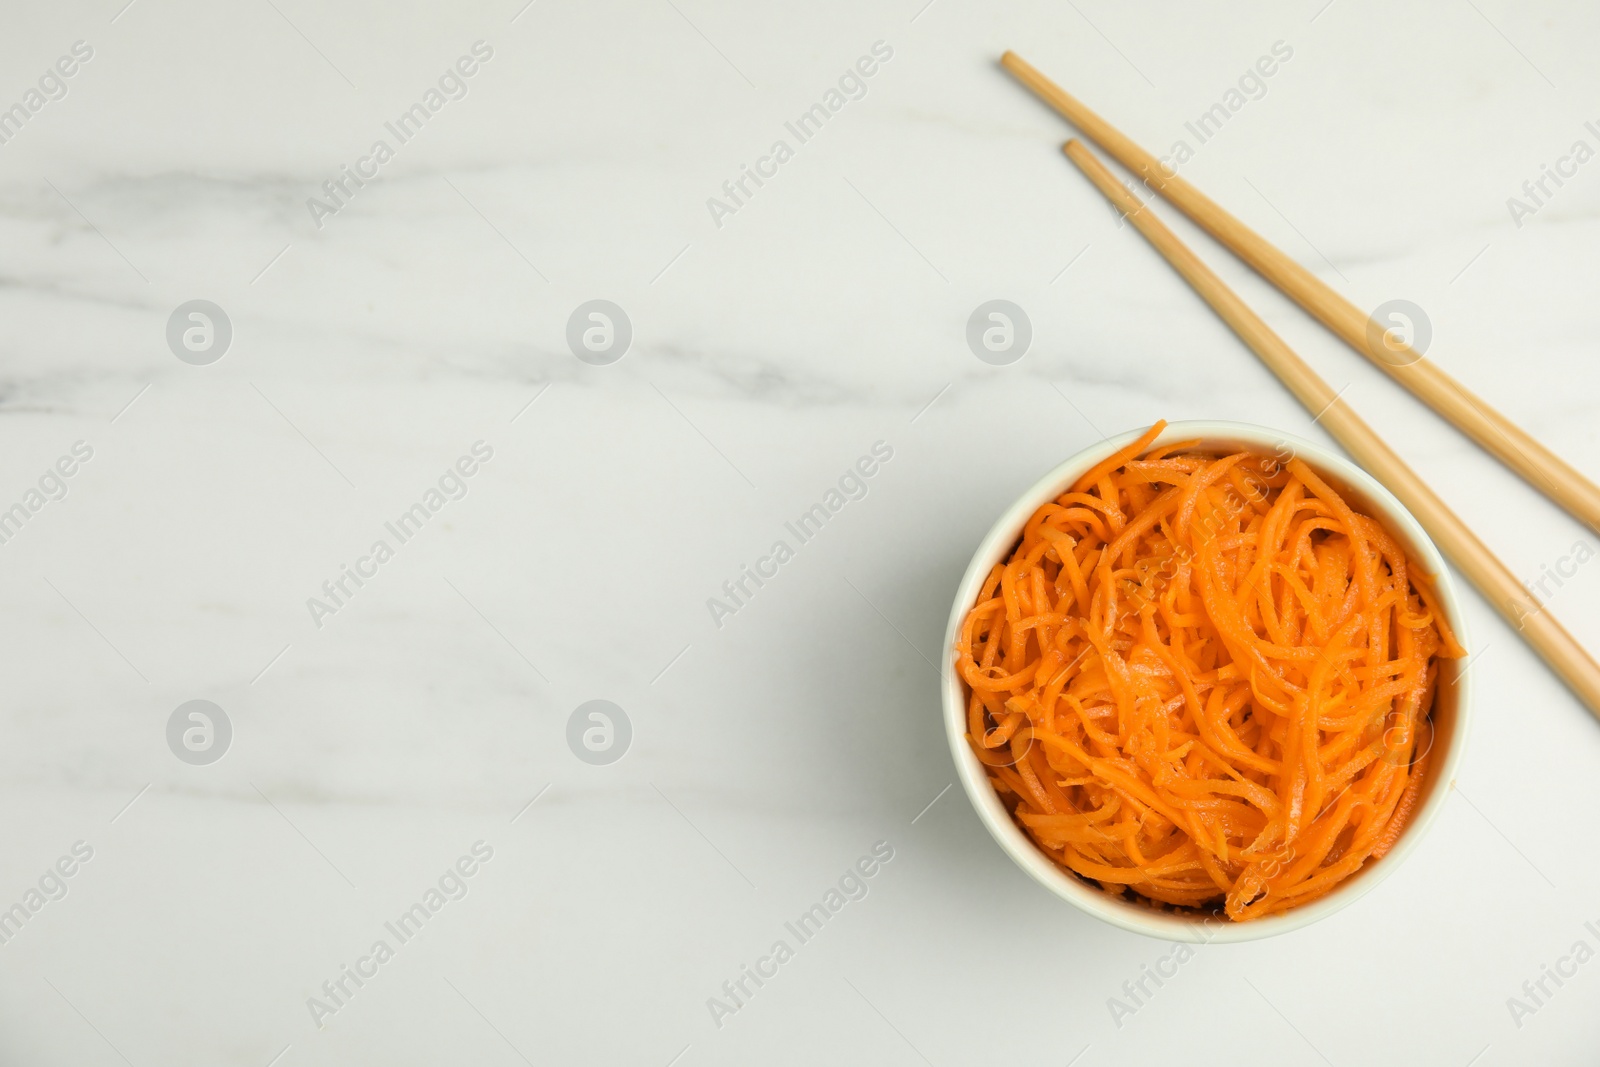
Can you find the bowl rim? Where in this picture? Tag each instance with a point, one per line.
(998, 543)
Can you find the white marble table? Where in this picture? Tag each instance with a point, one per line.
(778, 336)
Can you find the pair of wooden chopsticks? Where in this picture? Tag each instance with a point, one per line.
(1543, 469)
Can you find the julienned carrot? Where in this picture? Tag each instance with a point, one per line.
(1205, 680)
(1118, 458)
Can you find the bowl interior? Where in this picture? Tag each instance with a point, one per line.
(1449, 711)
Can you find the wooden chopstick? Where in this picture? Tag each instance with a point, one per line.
(1537, 626)
(1540, 467)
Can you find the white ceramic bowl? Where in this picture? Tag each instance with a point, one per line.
(1450, 712)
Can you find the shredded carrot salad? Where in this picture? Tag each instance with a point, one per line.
(1205, 680)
